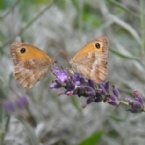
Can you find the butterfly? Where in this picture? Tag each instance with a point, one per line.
(31, 63)
(91, 60)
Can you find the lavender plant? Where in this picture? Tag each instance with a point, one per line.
(75, 84)
(20, 104)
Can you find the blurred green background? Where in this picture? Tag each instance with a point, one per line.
(54, 25)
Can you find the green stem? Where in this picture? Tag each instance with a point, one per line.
(1, 137)
(113, 2)
(10, 10)
(7, 123)
(33, 138)
(4, 126)
(142, 28)
(124, 103)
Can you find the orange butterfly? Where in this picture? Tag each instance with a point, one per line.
(91, 60)
(31, 63)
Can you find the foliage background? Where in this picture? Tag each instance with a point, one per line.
(67, 25)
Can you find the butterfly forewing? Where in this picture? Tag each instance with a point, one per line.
(31, 64)
(91, 61)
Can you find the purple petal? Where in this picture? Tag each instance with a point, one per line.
(106, 86)
(90, 100)
(56, 70)
(22, 102)
(136, 107)
(129, 100)
(138, 96)
(92, 84)
(136, 93)
(103, 90)
(8, 107)
(75, 77)
(113, 100)
(86, 91)
(77, 83)
(113, 97)
(62, 76)
(82, 80)
(116, 92)
(55, 85)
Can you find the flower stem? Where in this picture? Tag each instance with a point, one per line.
(124, 103)
(33, 138)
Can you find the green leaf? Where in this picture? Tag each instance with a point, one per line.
(33, 138)
(116, 118)
(41, 2)
(123, 56)
(61, 4)
(93, 139)
(119, 5)
(4, 4)
(75, 104)
(76, 4)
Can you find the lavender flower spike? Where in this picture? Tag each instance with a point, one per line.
(75, 84)
(22, 102)
(18, 104)
(8, 106)
(136, 104)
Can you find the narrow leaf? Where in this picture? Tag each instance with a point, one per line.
(123, 56)
(93, 139)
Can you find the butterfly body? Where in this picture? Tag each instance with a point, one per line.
(31, 63)
(91, 60)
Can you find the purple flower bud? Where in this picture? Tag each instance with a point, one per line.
(103, 90)
(138, 96)
(136, 107)
(53, 86)
(136, 104)
(8, 106)
(75, 77)
(22, 102)
(113, 100)
(136, 93)
(90, 100)
(92, 84)
(56, 85)
(86, 91)
(129, 100)
(83, 81)
(105, 85)
(62, 76)
(77, 83)
(56, 70)
(116, 92)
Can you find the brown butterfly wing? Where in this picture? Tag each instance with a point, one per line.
(92, 63)
(30, 68)
(27, 73)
